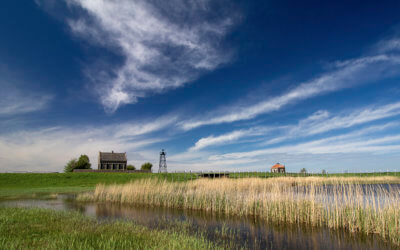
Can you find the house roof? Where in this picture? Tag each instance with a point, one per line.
(111, 156)
(278, 166)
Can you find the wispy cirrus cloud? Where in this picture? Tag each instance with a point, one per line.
(165, 44)
(322, 121)
(231, 137)
(388, 45)
(349, 143)
(317, 123)
(218, 140)
(16, 100)
(354, 118)
(346, 74)
(129, 129)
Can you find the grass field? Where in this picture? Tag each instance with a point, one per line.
(33, 185)
(46, 229)
(294, 200)
(39, 185)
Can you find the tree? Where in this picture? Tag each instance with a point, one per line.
(130, 167)
(70, 165)
(83, 162)
(146, 166)
(323, 171)
(303, 171)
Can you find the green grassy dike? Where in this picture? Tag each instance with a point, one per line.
(46, 229)
(33, 185)
(38, 185)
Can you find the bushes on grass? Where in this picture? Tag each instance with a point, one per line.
(130, 167)
(146, 166)
(82, 163)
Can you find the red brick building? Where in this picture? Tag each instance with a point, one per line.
(278, 168)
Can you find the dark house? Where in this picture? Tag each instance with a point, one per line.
(112, 161)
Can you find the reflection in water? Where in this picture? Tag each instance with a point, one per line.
(231, 231)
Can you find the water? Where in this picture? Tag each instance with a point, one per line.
(367, 195)
(233, 232)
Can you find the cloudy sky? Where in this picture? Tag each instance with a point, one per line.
(220, 85)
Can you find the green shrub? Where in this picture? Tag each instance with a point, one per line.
(70, 165)
(146, 166)
(130, 167)
(82, 163)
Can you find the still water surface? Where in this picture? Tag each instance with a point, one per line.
(233, 232)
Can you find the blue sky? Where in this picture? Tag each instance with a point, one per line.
(221, 85)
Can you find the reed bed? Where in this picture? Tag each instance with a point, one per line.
(336, 202)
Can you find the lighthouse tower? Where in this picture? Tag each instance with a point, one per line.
(163, 162)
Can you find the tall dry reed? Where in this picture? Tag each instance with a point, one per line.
(333, 202)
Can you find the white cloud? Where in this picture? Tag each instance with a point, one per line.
(198, 161)
(349, 143)
(15, 101)
(317, 123)
(135, 128)
(389, 45)
(211, 140)
(49, 149)
(355, 118)
(321, 121)
(165, 43)
(232, 137)
(346, 74)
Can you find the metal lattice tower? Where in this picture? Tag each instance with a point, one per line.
(163, 162)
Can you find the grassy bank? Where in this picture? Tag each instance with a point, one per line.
(29, 184)
(37, 185)
(270, 175)
(46, 229)
(280, 200)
